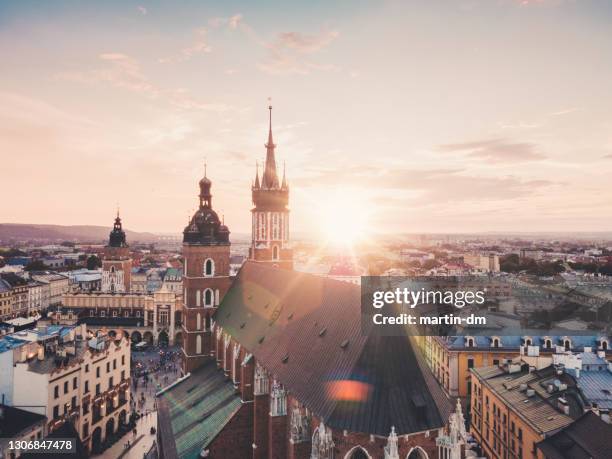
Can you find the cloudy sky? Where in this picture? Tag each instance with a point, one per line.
(458, 115)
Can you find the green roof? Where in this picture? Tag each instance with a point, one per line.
(198, 408)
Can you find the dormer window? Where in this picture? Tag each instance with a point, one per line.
(547, 343)
(495, 342)
(603, 344)
(567, 344)
(469, 342)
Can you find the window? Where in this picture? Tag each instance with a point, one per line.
(275, 253)
(137, 313)
(567, 344)
(209, 267)
(108, 367)
(114, 364)
(98, 389)
(56, 392)
(470, 363)
(126, 313)
(85, 430)
(110, 383)
(85, 409)
(122, 375)
(496, 362)
(56, 412)
(86, 388)
(74, 383)
(87, 368)
(123, 360)
(73, 402)
(208, 297)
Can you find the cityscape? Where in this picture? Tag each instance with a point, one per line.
(205, 206)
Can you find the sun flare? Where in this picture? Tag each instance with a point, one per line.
(343, 219)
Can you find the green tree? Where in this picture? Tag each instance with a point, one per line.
(93, 262)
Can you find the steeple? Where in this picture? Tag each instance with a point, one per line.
(205, 195)
(256, 175)
(270, 179)
(284, 184)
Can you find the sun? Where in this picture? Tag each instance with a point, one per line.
(343, 219)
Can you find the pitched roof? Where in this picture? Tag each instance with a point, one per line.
(587, 438)
(306, 331)
(192, 413)
(14, 420)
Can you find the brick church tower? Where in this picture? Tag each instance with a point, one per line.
(270, 216)
(206, 254)
(116, 263)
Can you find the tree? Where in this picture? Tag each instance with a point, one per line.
(93, 262)
(36, 265)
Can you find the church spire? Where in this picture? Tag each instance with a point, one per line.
(256, 175)
(284, 184)
(270, 179)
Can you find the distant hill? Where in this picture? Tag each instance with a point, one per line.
(79, 233)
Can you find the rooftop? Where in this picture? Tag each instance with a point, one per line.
(306, 331)
(193, 412)
(537, 410)
(15, 420)
(587, 438)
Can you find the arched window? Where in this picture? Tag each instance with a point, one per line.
(528, 342)
(604, 345)
(198, 322)
(112, 269)
(567, 344)
(209, 267)
(417, 453)
(358, 452)
(207, 323)
(275, 253)
(495, 342)
(470, 342)
(208, 297)
(548, 344)
(198, 344)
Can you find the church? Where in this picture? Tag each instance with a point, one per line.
(275, 362)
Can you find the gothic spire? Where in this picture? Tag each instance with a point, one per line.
(270, 179)
(284, 184)
(256, 174)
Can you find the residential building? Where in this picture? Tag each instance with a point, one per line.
(75, 378)
(6, 300)
(57, 285)
(18, 425)
(483, 262)
(514, 407)
(19, 288)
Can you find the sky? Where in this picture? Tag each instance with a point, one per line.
(413, 116)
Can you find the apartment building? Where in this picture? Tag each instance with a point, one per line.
(67, 375)
(513, 408)
(6, 300)
(58, 284)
